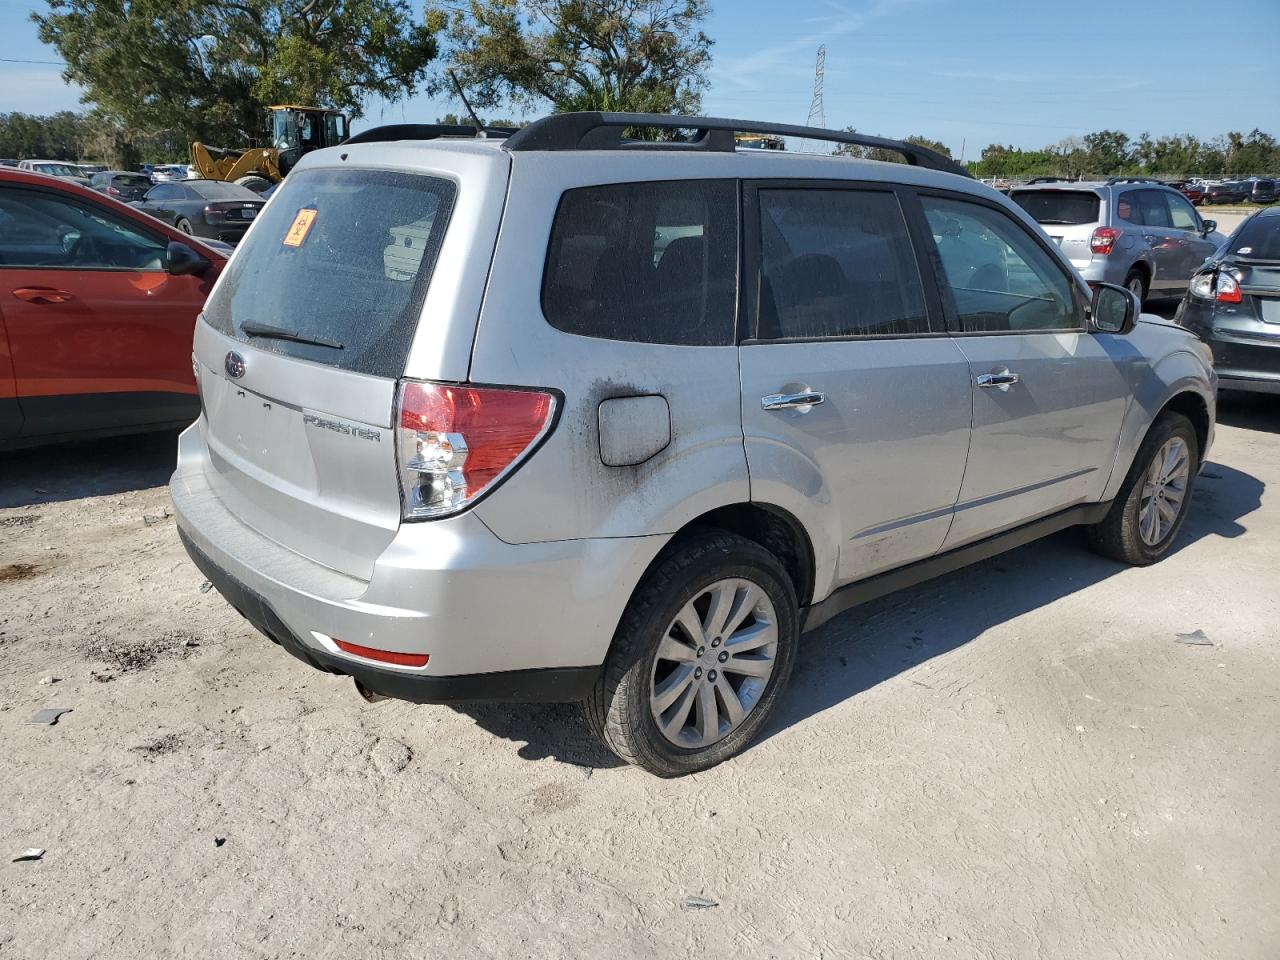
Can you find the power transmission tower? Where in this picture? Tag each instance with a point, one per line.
(817, 109)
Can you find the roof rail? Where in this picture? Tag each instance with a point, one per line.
(604, 131)
(423, 131)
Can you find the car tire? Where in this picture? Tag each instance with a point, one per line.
(254, 182)
(184, 225)
(1136, 283)
(1127, 533)
(665, 663)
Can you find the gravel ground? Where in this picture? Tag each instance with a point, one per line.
(1017, 760)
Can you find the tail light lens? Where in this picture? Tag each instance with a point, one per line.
(457, 442)
(1202, 286)
(113, 191)
(1103, 239)
(1227, 289)
(213, 214)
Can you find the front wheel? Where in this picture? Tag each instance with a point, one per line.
(701, 656)
(1152, 504)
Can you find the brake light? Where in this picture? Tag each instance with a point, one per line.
(213, 215)
(113, 191)
(1103, 239)
(457, 442)
(1227, 289)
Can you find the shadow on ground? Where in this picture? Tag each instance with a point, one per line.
(1250, 411)
(91, 468)
(874, 642)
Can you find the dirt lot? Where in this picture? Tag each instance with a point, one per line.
(1019, 760)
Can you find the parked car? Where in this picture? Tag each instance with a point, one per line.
(167, 172)
(121, 184)
(55, 168)
(1137, 233)
(1193, 192)
(205, 208)
(89, 169)
(8, 163)
(1228, 191)
(1233, 304)
(1262, 190)
(502, 419)
(97, 306)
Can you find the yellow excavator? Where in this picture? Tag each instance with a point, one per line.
(294, 131)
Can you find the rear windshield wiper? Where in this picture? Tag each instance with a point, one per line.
(255, 329)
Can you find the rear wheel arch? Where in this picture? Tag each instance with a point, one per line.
(775, 529)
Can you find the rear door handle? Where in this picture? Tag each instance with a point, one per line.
(42, 295)
(1004, 380)
(788, 401)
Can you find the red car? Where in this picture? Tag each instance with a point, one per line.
(1193, 192)
(97, 309)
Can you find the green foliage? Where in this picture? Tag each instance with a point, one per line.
(207, 69)
(631, 55)
(891, 156)
(1110, 153)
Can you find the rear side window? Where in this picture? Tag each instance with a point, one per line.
(1060, 207)
(836, 263)
(341, 258)
(645, 262)
(1155, 212)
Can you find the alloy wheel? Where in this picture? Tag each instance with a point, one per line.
(713, 663)
(1164, 488)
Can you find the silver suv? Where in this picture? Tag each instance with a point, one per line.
(570, 417)
(1134, 232)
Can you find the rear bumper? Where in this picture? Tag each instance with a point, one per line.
(498, 621)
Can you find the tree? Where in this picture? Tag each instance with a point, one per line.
(630, 55)
(891, 156)
(206, 69)
(1106, 152)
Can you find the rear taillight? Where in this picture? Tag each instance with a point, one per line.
(457, 442)
(213, 215)
(1227, 289)
(113, 191)
(1202, 286)
(1103, 239)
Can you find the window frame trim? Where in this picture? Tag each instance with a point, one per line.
(160, 238)
(1080, 298)
(752, 269)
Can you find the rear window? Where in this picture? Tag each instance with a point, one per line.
(130, 180)
(1063, 207)
(647, 262)
(219, 190)
(342, 257)
(1258, 239)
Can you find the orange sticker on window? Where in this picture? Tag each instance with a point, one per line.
(300, 228)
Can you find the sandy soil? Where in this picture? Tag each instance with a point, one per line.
(1019, 760)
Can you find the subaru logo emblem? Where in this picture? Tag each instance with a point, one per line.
(235, 365)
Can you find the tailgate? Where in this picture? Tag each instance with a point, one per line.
(300, 452)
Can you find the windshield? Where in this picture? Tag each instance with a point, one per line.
(338, 256)
(57, 170)
(1059, 206)
(1257, 239)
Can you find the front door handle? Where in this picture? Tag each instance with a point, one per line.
(1004, 379)
(42, 295)
(789, 401)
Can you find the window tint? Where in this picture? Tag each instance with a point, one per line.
(1127, 207)
(1000, 278)
(218, 190)
(1059, 206)
(650, 262)
(41, 230)
(1181, 214)
(1258, 238)
(343, 256)
(1155, 212)
(836, 263)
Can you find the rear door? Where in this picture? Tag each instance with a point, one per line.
(1048, 397)
(98, 331)
(303, 343)
(851, 389)
(1167, 245)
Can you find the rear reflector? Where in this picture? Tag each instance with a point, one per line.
(386, 656)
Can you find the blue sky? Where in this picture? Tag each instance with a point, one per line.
(962, 71)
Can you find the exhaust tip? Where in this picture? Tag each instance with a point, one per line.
(368, 695)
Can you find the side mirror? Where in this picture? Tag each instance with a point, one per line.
(181, 261)
(1207, 227)
(1115, 310)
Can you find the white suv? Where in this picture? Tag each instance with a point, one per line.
(570, 416)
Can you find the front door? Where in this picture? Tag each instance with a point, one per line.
(1048, 397)
(99, 333)
(851, 390)
(1188, 228)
